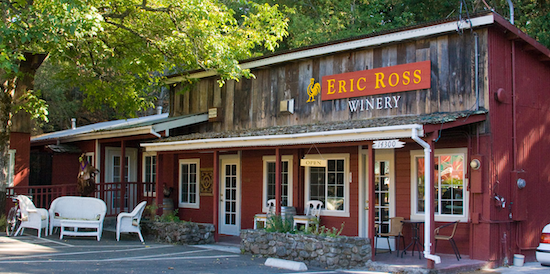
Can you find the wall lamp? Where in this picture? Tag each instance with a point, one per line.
(475, 164)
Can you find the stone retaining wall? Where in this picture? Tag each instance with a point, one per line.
(180, 232)
(332, 253)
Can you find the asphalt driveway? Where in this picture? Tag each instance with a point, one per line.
(29, 254)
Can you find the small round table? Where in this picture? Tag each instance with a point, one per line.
(415, 242)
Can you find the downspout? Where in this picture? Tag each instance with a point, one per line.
(476, 76)
(511, 11)
(427, 193)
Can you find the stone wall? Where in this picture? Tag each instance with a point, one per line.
(318, 251)
(180, 232)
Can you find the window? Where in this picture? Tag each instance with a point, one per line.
(330, 184)
(269, 180)
(450, 184)
(189, 183)
(11, 167)
(149, 174)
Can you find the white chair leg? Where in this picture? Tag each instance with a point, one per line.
(19, 230)
(140, 237)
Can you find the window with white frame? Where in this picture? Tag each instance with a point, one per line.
(269, 180)
(149, 176)
(189, 183)
(330, 184)
(450, 184)
(11, 167)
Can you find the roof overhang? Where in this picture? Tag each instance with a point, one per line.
(334, 136)
(415, 33)
(152, 130)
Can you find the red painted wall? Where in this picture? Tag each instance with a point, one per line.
(21, 142)
(519, 146)
(65, 168)
(204, 213)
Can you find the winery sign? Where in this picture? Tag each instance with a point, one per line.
(373, 82)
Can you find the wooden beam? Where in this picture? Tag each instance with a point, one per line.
(371, 199)
(216, 195)
(459, 122)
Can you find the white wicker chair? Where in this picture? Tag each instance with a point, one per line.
(129, 222)
(32, 217)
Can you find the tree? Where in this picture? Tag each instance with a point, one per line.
(117, 51)
(320, 21)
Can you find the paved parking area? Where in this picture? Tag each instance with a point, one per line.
(29, 254)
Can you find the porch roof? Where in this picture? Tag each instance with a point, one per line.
(150, 125)
(334, 132)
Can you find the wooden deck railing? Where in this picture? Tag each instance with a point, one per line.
(132, 193)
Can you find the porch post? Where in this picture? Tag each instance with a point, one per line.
(122, 174)
(370, 199)
(159, 186)
(431, 198)
(216, 195)
(277, 181)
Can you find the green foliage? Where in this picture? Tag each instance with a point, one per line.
(276, 223)
(3, 222)
(150, 212)
(320, 21)
(322, 230)
(330, 232)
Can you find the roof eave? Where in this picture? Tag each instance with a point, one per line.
(348, 135)
(398, 36)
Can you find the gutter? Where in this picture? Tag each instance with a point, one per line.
(427, 193)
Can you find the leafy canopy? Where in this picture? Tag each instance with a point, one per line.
(118, 51)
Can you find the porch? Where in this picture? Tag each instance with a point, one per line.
(110, 193)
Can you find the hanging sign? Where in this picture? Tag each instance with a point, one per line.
(313, 162)
(388, 144)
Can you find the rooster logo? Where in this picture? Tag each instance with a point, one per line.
(313, 90)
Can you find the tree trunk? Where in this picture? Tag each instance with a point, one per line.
(14, 86)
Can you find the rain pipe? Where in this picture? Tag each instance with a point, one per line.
(427, 193)
(511, 11)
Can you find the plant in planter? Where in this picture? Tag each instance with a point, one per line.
(321, 248)
(169, 228)
(278, 223)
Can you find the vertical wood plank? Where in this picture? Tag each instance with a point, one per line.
(229, 105)
(443, 104)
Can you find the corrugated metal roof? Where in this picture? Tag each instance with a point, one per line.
(435, 118)
(123, 127)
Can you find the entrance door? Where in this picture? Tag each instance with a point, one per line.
(230, 197)
(384, 189)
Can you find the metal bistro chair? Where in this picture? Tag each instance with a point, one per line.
(396, 231)
(263, 217)
(448, 238)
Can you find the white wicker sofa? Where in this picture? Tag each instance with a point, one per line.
(77, 212)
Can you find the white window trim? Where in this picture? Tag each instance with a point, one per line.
(11, 167)
(271, 159)
(143, 170)
(346, 158)
(197, 203)
(437, 216)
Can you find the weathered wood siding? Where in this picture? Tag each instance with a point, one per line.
(254, 103)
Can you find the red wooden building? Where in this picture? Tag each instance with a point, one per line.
(470, 96)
